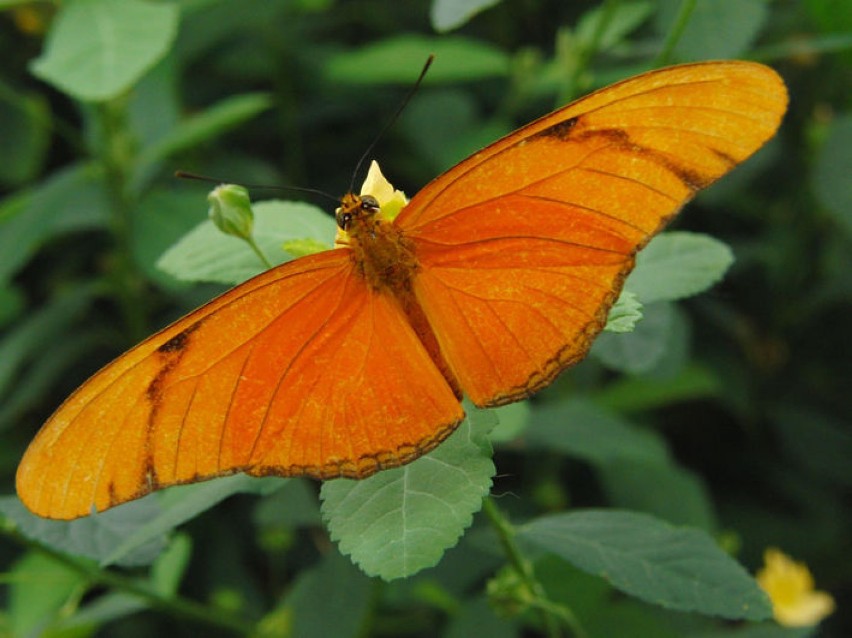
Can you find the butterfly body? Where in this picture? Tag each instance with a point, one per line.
(385, 258)
(381, 252)
(493, 279)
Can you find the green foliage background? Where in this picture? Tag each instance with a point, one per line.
(728, 413)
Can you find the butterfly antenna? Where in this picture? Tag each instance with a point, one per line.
(391, 121)
(298, 189)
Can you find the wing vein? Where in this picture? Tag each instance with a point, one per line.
(491, 240)
(308, 341)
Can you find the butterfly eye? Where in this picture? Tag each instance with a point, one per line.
(343, 220)
(370, 204)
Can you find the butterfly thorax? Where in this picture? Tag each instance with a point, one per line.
(380, 250)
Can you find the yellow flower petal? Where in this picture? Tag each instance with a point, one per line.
(391, 201)
(810, 610)
(790, 586)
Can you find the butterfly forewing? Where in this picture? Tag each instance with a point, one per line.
(524, 245)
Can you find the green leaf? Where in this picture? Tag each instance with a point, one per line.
(38, 588)
(154, 107)
(132, 534)
(769, 629)
(677, 568)
(830, 177)
(168, 569)
(832, 16)
(103, 609)
(24, 127)
(624, 18)
(400, 521)
(97, 49)
(206, 254)
(294, 505)
(633, 463)
(27, 340)
(677, 265)
(439, 124)
(678, 349)
(11, 304)
(479, 618)
(399, 59)
(93, 536)
(716, 30)
(332, 599)
(640, 394)
(665, 490)
(38, 376)
(638, 351)
(586, 431)
(586, 594)
(624, 314)
(629, 618)
(512, 420)
(447, 15)
(191, 132)
(160, 220)
(72, 199)
(179, 504)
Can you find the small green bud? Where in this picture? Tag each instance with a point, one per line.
(230, 210)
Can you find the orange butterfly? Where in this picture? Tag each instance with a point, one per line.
(492, 280)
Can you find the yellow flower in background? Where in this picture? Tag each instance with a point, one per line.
(790, 586)
(33, 19)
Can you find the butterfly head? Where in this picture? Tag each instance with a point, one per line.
(355, 208)
(382, 254)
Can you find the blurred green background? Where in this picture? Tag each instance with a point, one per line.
(748, 386)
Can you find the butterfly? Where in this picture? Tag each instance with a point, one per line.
(493, 279)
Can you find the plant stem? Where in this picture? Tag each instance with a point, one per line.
(576, 55)
(173, 605)
(257, 251)
(115, 152)
(547, 609)
(674, 34)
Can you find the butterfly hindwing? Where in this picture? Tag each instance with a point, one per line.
(303, 370)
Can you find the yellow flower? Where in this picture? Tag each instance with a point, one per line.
(790, 586)
(391, 201)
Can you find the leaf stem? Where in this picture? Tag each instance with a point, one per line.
(95, 575)
(257, 251)
(549, 610)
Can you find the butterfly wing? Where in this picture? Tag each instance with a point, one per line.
(524, 246)
(303, 370)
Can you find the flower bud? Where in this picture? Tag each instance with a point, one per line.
(230, 210)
